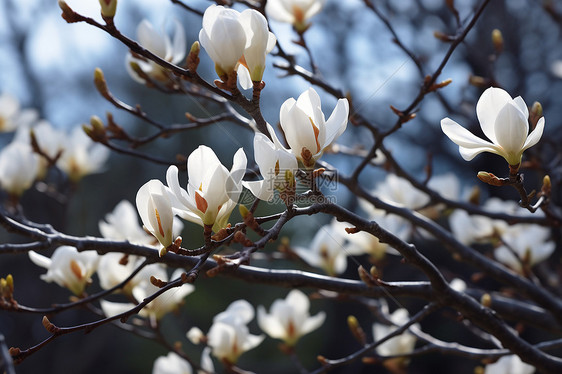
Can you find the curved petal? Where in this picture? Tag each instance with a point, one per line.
(150, 39)
(39, 260)
(179, 43)
(535, 135)
(299, 302)
(312, 323)
(469, 144)
(521, 105)
(337, 123)
(270, 324)
(199, 162)
(179, 193)
(244, 78)
(275, 10)
(488, 107)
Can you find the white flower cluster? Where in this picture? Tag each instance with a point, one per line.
(75, 153)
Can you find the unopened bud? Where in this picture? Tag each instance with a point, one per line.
(10, 283)
(366, 277)
(486, 300)
(490, 179)
(474, 197)
(497, 40)
(356, 329)
(478, 81)
(108, 8)
(68, 14)
(193, 57)
(99, 81)
(535, 114)
(243, 210)
(49, 326)
(546, 185)
(443, 37)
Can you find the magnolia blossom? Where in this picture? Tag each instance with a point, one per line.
(82, 156)
(259, 42)
(158, 307)
(223, 37)
(326, 250)
(11, 116)
(67, 267)
(509, 365)
(277, 167)
(171, 364)
(307, 132)
(229, 336)
(172, 51)
(155, 209)
(122, 224)
(398, 345)
(504, 121)
(212, 190)
(469, 229)
(18, 168)
(289, 318)
(112, 271)
(524, 244)
(296, 12)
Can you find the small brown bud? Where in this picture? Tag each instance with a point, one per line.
(157, 282)
(546, 185)
(535, 114)
(193, 57)
(474, 197)
(366, 277)
(490, 179)
(49, 326)
(108, 8)
(478, 81)
(443, 37)
(356, 329)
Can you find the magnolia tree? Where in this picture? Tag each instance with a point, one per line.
(406, 249)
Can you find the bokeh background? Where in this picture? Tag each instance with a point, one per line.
(48, 65)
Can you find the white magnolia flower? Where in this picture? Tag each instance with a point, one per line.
(158, 307)
(11, 116)
(171, 364)
(223, 37)
(509, 365)
(306, 130)
(277, 167)
(155, 209)
(82, 156)
(19, 166)
(504, 121)
(398, 345)
(212, 190)
(259, 42)
(112, 271)
(469, 229)
(172, 51)
(67, 267)
(364, 243)
(229, 336)
(295, 12)
(122, 224)
(526, 243)
(326, 250)
(289, 318)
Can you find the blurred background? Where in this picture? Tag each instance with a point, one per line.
(48, 65)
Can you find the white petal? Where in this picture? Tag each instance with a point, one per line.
(244, 77)
(337, 123)
(312, 323)
(488, 107)
(535, 135)
(179, 44)
(511, 129)
(469, 144)
(39, 260)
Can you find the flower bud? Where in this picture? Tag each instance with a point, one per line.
(497, 40)
(536, 114)
(489, 178)
(108, 8)
(193, 57)
(486, 300)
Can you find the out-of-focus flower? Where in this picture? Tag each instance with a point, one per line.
(289, 318)
(171, 364)
(509, 365)
(259, 42)
(155, 209)
(158, 307)
(398, 345)
(470, 229)
(172, 51)
(112, 271)
(82, 156)
(326, 250)
(307, 132)
(504, 121)
(229, 336)
(295, 12)
(223, 37)
(18, 168)
(212, 190)
(67, 267)
(122, 224)
(524, 243)
(277, 167)
(11, 116)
